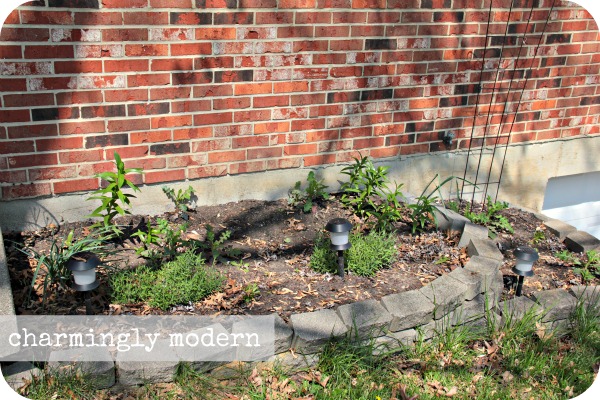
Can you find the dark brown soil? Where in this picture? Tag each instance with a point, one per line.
(275, 241)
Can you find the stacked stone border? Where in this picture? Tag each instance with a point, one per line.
(468, 295)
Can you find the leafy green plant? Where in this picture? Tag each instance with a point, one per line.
(365, 181)
(52, 266)
(307, 197)
(181, 198)
(423, 211)
(368, 195)
(113, 200)
(251, 292)
(538, 236)
(161, 243)
(215, 245)
(181, 281)
(491, 217)
(587, 267)
(368, 254)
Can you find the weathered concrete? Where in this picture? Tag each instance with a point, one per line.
(589, 295)
(472, 231)
(314, 329)
(559, 228)
(365, 318)
(131, 373)
(96, 363)
(6, 300)
(471, 279)
(484, 248)
(19, 373)
(448, 220)
(517, 307)
(557, 304)
(408, 309)
(280, 333)
(445, 293)
(487, 268)
(393, 341)
(580, 242)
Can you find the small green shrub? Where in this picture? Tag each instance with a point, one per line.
(490, 217)
(215, 246)
(160, 243)
(368, 254)
(183, 280)
(114, 200)
(181, 198)
(587, 267)
(368, 195)
(307, 197)
(423, 211)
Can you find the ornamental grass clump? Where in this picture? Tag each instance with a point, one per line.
(368, 254)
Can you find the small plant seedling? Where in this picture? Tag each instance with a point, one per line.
(538, 236)
(215, 245)
(491, 217)
(423, 211)
(114, 200)
(181, 198)
(251, 292)
(242, 265)
(442, 260)
(307, 197)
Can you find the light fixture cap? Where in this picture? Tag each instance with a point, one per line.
(338, 225)
(526, 254)
(520, 272)
(83, 262)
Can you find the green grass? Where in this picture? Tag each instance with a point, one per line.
(368, 254)
(185, 279)
(512, 360)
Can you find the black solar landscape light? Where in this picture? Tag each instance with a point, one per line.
(83, 266)
(339, 231)
(525, 256)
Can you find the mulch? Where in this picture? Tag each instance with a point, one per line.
(275, 242)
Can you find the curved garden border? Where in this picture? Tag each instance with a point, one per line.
(467, 295)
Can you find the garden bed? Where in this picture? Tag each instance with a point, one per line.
(271, 272)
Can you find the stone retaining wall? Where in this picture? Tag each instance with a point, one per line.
(468, 295)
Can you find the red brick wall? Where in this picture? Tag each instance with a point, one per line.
(188, 89)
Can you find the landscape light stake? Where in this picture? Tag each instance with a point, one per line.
(339, 230)
(525, 256)
(83, 266)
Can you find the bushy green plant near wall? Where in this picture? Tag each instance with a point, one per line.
(306, 198)
(491, 217)
(114, 201)
(185, 279)
(369, 253)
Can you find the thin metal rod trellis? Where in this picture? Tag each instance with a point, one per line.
(527, 75)
(489, 113)
(487, 33)
(508, 93)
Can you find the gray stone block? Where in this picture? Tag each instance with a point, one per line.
(589, 295)
(94, 362)
(6, 302)
(445, 293)
(488, 269)
(559, 228)
(472, 231)
(138, 367)
(274, 336)
(290, 362)
(365, 318)
(448, 220)
(394, 341)
(314, 329)
(580, 242)
(204, 358)
(234, 369)
(471, 279)
(557, 328)
(557, 304)
(517, 307)
(408, 309)
(19, 373)
(484, 248)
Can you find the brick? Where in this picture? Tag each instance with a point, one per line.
(22, 35)
(77, 128)
(190, 18)
(206, 172)
(267, 152)
(164, 176)
(106, 140)
(170, 148)
(124, 3)
(77, 185)
(190, 49)
(59, 144)
(26, 190)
